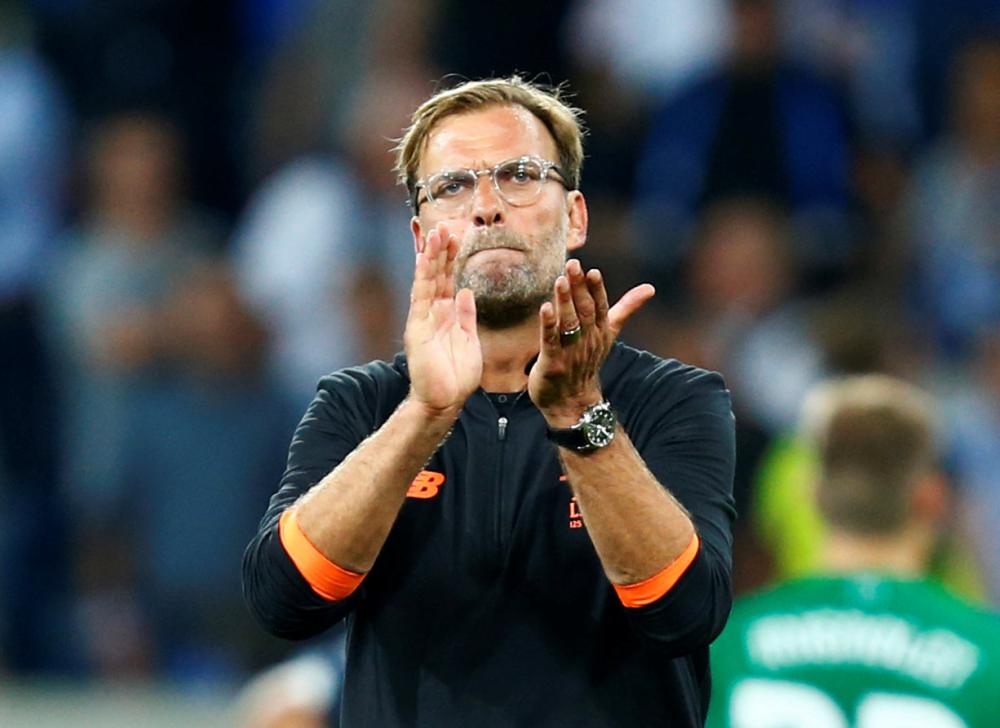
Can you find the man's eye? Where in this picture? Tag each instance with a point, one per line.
(520, 173)
(449, 187)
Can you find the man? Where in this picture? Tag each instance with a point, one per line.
(524, 522)
(869, 643)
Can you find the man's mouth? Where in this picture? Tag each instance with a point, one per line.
(498, 247)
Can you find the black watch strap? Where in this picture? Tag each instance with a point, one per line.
(570, 438)
(594, 429)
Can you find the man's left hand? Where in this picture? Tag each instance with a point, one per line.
(577, 331)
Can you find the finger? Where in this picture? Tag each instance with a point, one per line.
(583, 302)
(422, 293)
(431, 245)
(548, 324)
(449, 266)
(465, 305)
(628, 304)
(441, 287)
(444, 235)
(565, 310)
(595, 283)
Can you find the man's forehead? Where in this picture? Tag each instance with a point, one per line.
(486, 136)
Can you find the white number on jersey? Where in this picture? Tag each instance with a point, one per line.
(758, 703)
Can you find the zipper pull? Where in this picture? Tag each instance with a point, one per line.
(502, 428)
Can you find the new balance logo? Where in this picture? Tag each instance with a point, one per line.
(425, 485)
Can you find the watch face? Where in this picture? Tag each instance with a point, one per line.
(599, 428)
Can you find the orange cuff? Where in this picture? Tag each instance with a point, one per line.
(325, 577)
(649, 590)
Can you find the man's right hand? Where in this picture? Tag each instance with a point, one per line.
(441, 340)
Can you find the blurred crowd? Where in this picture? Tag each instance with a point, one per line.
(198, 219)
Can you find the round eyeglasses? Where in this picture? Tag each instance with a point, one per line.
(517, 181)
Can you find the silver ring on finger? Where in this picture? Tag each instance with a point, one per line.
(570, 336)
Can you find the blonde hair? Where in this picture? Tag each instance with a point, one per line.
(874, 436)
(547, 104)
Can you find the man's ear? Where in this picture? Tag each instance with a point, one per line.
(576, 230)
(932, 498)
(418, 236)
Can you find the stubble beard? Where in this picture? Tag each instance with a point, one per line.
(509, 293)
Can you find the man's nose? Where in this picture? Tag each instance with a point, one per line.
(487, 207)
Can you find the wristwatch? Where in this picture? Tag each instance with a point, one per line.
(594, 429)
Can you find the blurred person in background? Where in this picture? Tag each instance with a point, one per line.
(318, 252)
(316, 248)
(169, 423)
(861, 328)
(954, 211)
(743, 308)
(304, 691)
(654, 48)
(867, 640)
(183, 54)
(739, 311)
(872, 48)
(759, 125)
(316, 59)
(972, 407)
(34, 122)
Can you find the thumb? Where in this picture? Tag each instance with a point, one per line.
(632, 301)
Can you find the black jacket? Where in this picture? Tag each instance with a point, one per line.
(487, 605)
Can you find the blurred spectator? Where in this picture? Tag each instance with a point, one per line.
(301, 692)
(169, 424)
(954, 210)
(179, 56)
(319, 250)
(305, 96)
(652, 47)
(738, 313)
(305, 81)
(760, 125)
(873, 47)
(944, 28)
(33, 127)
(135, 245)
(973, 410)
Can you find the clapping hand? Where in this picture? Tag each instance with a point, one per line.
(441, 341)
(577, 329)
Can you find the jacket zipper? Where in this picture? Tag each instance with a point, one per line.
(503, 424)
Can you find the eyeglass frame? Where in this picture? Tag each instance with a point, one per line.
(546, 165)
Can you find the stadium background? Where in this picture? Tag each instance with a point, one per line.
(198, 218)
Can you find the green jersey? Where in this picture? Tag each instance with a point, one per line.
(865, 651)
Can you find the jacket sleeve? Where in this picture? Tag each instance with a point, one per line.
(685, 431)
(338, 419)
